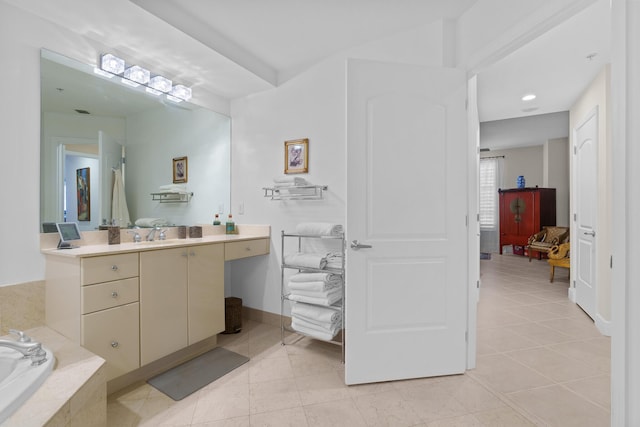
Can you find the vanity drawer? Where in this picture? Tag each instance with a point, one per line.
(114, 335)
(109, 294)
(245, 249)
(108, 268)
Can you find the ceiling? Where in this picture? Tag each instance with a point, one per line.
(236, 48)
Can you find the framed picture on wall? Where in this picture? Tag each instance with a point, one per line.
(180, 171)
(83, 191)
(296, 156)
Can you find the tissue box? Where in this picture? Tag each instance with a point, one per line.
(195, 231)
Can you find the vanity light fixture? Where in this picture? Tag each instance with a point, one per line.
(134, 76)
(112, 64)
(160, 83)
(137, 74)
(182, 92)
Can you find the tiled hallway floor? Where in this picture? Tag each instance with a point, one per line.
(541, 362)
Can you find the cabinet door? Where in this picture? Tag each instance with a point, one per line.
(163, 303)
(113, 334)
(206, 291)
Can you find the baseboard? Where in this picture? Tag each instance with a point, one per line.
(261, 316)
(604, 326)
(572, 294)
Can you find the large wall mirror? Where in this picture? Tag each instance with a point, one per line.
(89, 122)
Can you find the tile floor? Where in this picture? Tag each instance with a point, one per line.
(541, 362)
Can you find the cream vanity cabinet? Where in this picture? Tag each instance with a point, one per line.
(110, 311)
(181, 298)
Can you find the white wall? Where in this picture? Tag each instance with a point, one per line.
(312, 105)
(154, 138)
(556, 175)
(526, 161)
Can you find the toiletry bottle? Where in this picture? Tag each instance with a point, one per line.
(216, 220)
(230, 226)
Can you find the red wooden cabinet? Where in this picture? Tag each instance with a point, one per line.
(523, 212)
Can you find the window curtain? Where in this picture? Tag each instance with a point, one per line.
(490, 182)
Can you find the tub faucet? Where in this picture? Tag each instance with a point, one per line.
(29, 349)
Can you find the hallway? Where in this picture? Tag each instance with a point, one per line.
(541, 362)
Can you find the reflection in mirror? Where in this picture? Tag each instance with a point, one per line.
(90, 122)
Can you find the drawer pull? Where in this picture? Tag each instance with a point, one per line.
(114, 267)
(192, 253)
(114, 344)
(114, 294)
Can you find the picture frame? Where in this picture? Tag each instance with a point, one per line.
(296, 156)
(83, 193)
(180, 170)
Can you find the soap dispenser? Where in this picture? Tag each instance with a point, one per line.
(230, 225)
(216, 220)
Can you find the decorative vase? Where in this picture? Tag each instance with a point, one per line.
(520, 181)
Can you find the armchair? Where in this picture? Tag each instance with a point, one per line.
(559, 257)
(544, 240)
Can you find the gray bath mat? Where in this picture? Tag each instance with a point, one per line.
(181, 381)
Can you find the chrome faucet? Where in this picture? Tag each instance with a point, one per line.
(152, 233)
(29, 349)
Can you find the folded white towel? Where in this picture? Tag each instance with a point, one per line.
(173, 188)
(308, 260)
(330, 299)
(301, 326)
(319, 325)
(313, 286)
(334, 260)
(290, 180)
(319, 228)
(317, 294)
(151, 222)
(316, 277)
(329, 315)
(332, 328)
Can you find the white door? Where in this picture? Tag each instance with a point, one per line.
(110, 158)
(583, 245)
(406, 295)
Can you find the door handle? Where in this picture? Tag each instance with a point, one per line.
(590, 233)
(357, 245)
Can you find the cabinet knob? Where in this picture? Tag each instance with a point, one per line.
(114, 344)
(114, 294)
(192, 253)
(248, 249)
(114, 267)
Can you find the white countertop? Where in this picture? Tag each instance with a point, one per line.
(94, 243)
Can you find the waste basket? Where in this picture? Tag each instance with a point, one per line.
(232, 315)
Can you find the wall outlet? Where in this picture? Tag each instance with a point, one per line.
(241, 209)
(221, 208)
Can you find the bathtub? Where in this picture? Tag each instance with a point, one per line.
(19, 379)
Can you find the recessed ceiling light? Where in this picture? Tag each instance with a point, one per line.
(529, 97)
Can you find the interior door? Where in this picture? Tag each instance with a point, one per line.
(584, 239)
(406, 296)
(110, 158)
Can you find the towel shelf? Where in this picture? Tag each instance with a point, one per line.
(170, 197)
(338, 339)
(297, 192)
